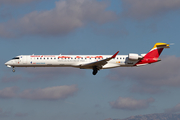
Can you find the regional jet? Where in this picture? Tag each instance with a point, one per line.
(94, 62)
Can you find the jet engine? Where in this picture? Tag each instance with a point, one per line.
(133, 56)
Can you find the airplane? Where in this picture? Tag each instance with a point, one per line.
(94, 62)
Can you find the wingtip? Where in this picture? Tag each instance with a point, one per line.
(115, 54)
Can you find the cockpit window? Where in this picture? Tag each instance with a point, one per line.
(15, 58)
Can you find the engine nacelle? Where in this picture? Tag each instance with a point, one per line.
(133, 56)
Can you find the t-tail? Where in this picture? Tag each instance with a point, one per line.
(153, 55)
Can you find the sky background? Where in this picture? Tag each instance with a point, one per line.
(82, 27)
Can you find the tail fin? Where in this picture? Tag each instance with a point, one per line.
(153, 55)
(156, 50)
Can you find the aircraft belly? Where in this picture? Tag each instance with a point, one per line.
(47, 64)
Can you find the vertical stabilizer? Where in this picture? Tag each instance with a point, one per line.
(156, 50)
(153, 55)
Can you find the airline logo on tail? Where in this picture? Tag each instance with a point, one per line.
(153, 55)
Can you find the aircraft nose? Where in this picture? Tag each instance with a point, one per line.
(8, 63)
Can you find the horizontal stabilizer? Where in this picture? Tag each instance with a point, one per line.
(163, 45)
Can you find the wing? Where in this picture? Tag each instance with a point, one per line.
(98, 64)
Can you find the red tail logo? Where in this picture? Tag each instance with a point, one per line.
(153, 55)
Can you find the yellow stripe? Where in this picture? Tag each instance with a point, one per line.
(165, 45)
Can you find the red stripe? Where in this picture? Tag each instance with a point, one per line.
(154, 53)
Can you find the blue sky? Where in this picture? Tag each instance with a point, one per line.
(96, 27)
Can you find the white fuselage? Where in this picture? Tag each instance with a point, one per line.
(68, 61)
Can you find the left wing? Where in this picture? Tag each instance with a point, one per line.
(98, 64)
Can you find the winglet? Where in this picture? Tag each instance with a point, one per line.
(115, 54)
